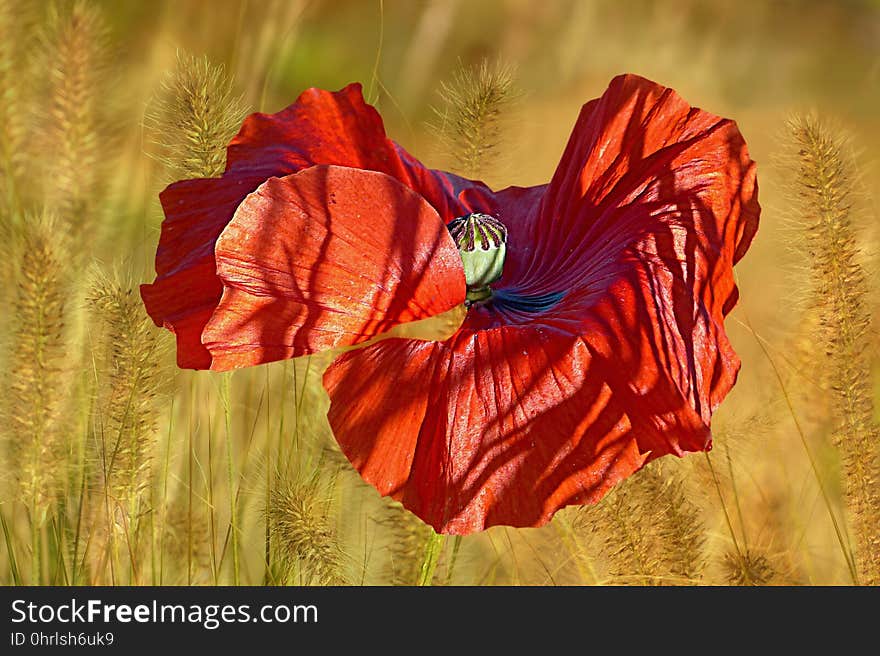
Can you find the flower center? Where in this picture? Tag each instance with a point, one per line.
(481, 240)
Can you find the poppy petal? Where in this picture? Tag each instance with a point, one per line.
(338, 128)
(652, 194)
(320, 128)
(658, 197)
(328, 257)
(604, 345)
(186, 290)
(498, 427)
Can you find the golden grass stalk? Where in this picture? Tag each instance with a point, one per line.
(74, 53)
(306, 548)
(469, 120)
(195, 115)
(741, 564)
(193, 118)
(35, 374)
(808, 355)
(648, 531)
(825, 172)
(679, 526)
(132, 382)
(186, 543)
(621, 540)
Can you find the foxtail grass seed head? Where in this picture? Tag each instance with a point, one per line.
(75, 52)
(748, 569)
(407, 536)
(36, 351)
(307, 548)
(647, 531)
(469, 119)
(132, 385)
(15, 39)
(680, 527)
(186, 543)
(194, 116)
(825, 176)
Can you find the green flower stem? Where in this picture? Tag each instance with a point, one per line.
(433, 547)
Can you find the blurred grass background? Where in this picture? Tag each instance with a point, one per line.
(119, 469)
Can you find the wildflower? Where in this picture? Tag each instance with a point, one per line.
(593, 340)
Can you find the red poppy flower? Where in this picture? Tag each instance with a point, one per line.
(600, 347)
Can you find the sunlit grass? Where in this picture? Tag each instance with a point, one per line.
(119, 469)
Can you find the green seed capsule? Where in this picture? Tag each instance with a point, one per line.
(481, 241)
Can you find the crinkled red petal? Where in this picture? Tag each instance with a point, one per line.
(531, 407)
(342, 129)
(320, 128)
(186, 290)
(500, 426)
(328, 257)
